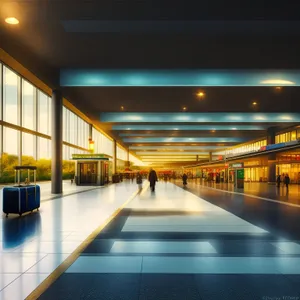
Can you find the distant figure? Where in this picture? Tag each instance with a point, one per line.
(278, 180)
(282, 179)
(139, 180)
(287, 180)
(184, 179)
(152, 179)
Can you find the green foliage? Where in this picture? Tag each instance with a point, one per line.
(8, 162)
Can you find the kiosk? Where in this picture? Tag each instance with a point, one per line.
(238, 169)
(91, 169)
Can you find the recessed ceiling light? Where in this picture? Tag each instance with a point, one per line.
(184, 108)
(12, 21)
(200, 94)
(254, 103)
(122, 107)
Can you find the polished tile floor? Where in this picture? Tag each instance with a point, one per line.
(259, 189)
(176, 243)
(31, 247)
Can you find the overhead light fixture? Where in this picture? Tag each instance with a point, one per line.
(200, 94)
(12, 21)
(278, 88)
(277, 82)
(184, 108)
(122, 107)
(254, 103)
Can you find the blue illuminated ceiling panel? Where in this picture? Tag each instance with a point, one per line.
(100, 77)
(185, 117)
(187, 127)
(186, 140)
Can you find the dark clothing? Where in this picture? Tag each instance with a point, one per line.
(278, 180)
(184, 178)
(139, 179)
(152, 179)
(287, 181)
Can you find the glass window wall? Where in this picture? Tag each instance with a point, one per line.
(10, 96)
(28, 105)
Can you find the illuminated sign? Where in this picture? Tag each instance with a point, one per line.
(237, 165)
(90, 156)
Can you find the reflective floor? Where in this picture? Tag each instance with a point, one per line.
(193, 243)
(259, 189)
(32, 246)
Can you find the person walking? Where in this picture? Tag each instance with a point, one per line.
(152, 179)
(139, 180)
(278, 180)
(287, 181)
(184, 179)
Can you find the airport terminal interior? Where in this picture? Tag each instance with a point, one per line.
(149, 151)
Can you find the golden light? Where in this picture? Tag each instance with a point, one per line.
(184, 108)
(254, 103)
(122, 107)
(91, 145)
(200, 94)
(213, 130)
(278, 88)
(277, 82)
(12, 21)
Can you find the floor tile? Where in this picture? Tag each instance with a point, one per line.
(288, 247)
(48, 264)
(18, 263)
(22, 286)
(94, 287)
(221, 265)
(161, 247)
(6, 279)
(106, 264)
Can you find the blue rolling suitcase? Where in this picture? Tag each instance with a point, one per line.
(21, 198)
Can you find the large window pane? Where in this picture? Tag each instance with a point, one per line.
(44, 148)
(28, 144)
(10, 96)
(43, 113)
(28, 107)
(10, 141)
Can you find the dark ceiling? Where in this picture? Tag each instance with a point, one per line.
(203, 34)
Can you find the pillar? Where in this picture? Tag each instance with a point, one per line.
(210, 156)
(128, 159)
(197, 157)
(271, 132)
(90, 132)
(56, 141)
(114, 156)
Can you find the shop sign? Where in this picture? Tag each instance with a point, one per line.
(89, 156)
(237, 165)
(240, 174)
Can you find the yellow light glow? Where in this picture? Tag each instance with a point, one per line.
(278, 88)
(200, 94)
(122, 107)
(184, 108)
(277, 82)
(254, 103)
(12, 21)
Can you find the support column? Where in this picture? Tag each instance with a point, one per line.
(114, 157)
(210, 156)
(90, 131)
(56, 141)
(271, 132)
(128, 160)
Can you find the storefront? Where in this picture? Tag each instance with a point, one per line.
(91, 169)
(289, 163)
